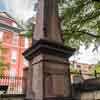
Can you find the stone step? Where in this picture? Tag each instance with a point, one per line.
(59, 98)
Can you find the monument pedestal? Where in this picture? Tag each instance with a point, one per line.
(50, 77)
(48, 72)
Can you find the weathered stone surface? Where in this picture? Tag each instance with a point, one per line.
(93, 95)
(47, 22)
(37, 78)
(50, 77)
(48, 47)
(87, 90)
(12, 97)
(57, 69)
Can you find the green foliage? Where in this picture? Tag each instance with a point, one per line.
(28, 28)
(3, 63)
(80, 22)
(27, 33)
(96, 70)
(73, 70)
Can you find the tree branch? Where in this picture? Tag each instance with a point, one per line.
(84, 32)
(89, 16)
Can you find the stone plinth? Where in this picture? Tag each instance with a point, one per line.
(50, 71)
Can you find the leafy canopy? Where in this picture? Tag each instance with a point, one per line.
(80, 22)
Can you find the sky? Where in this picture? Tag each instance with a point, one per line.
(24, 9)
(21, 9)
(2, 5)
(87, 55)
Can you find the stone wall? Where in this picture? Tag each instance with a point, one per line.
(11, 97)
(94, 95)
(87, 90)
(87, 95)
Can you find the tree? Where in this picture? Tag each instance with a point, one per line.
(3, 63)
(28, 27)
(96, 70)
(80, 22)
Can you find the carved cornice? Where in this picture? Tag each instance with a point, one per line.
(48, 47)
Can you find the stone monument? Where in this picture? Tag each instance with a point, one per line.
(49, 75)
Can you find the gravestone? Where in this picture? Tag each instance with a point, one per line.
(48, 75)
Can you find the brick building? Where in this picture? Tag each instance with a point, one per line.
(16, 44)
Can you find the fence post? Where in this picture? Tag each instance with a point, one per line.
(95, 73)
(80, 72)
(25, 75)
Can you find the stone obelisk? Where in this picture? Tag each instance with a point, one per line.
(47, 23)
(49, 71)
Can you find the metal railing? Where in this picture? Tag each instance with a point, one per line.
(11, 85)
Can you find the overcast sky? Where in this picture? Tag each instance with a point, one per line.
(87, 55)
(22, 9)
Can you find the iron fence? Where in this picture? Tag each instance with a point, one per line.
(11, 85)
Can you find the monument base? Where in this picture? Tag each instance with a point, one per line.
(49, 71)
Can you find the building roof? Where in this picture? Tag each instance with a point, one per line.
(6, 27)
(6, 15)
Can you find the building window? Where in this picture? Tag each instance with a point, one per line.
(1, 36)
(15, 39)
(14, 57)
(12, 74)
(26, 42)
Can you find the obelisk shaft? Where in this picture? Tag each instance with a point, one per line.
(49, 69)
(47, 22)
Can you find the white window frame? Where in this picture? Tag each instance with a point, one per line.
(15, 39)
(26, 42)
(14, 57)
(1, 36)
